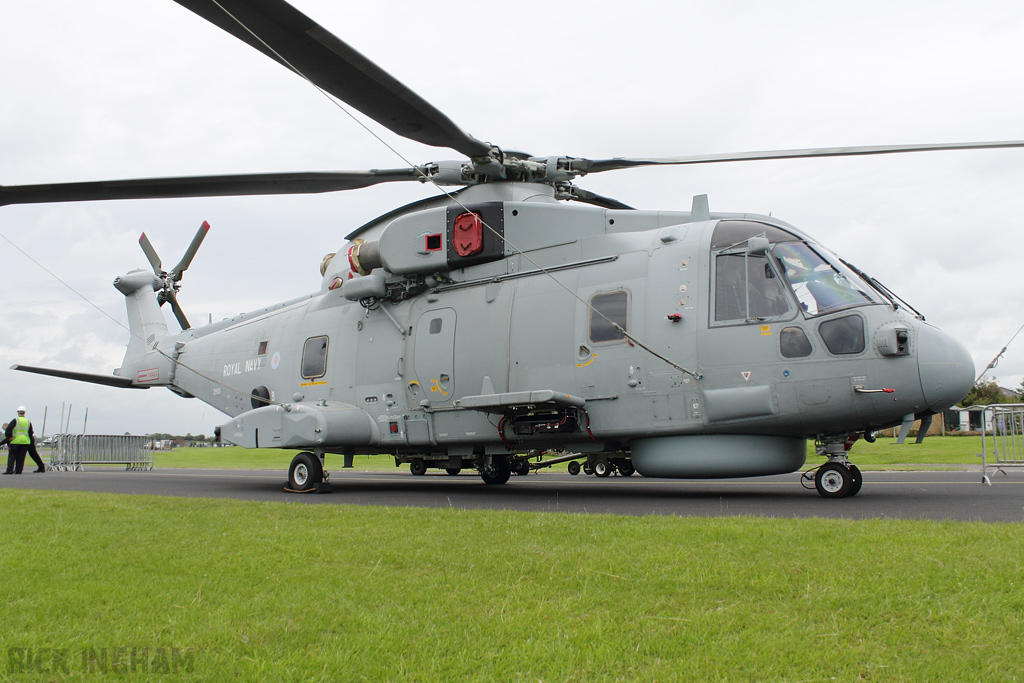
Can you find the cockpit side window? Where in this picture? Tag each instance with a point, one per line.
(843, 335)
(747, 288)
(314, 358)
(793, 343)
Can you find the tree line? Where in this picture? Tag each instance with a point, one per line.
(986, 391)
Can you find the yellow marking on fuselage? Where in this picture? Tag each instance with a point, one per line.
(436, 386)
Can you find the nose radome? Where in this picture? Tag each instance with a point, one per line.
(947, 369)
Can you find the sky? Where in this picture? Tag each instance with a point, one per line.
(144, 88)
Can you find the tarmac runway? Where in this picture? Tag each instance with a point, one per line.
(940, 496)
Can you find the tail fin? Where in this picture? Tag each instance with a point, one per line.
(147, 326)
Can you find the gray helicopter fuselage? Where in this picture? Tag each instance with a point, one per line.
(513, 353)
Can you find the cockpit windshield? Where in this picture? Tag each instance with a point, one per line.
(821, 284)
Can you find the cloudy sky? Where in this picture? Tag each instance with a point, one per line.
(142, 88)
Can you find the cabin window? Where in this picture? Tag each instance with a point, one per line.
(314, 358)
(435, 326)
(262, 350)
(747, 288)
(793, 343)
(843, 335)
(606, 311)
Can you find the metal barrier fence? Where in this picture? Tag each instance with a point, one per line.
(71, 451)
(1002, 425)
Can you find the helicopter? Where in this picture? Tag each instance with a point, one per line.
(675, 343)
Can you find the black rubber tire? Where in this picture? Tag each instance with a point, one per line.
(833, 480)
(498, 471)
(857, 481)
(454, 471)
(521, 468)
(602, 469)
(626, 469)
(574, 468)
(418, 467)
(305, 472)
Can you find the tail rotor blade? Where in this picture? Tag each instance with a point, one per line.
(147, 247)
(178, 313)
(190, 253)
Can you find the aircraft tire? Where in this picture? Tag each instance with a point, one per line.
(521, 468)
(857, 480)
(498, 471)
(626, 469)
(454, 471)
(602, 469)
(418, 467)
(833, 480)
(574, 468)
(305, 472)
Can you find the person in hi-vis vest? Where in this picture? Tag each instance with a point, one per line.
(19, 435)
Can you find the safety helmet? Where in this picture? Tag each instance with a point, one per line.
(21, 409)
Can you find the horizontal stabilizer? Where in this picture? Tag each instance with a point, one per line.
(106, 380)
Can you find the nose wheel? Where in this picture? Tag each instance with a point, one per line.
(836, 480)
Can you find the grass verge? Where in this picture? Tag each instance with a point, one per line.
(294, 592)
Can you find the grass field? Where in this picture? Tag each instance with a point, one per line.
(884, 453)
(934, 450)
(196, 589)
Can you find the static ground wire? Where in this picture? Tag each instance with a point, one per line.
(995, 361)
(174, 360)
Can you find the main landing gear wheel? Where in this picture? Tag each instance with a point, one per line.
(626, 469)
(857, 480)
(305, 472)
(454, 471)
(602, 469)
(836, 481)
(497, 471)
(418, 467)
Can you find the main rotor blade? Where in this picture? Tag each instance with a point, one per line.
(584, 166)
(595, 199)
(292, 39)
(203, 186)
(190, 253)
(154, 259)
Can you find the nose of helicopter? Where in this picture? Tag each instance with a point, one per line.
(947, 369)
